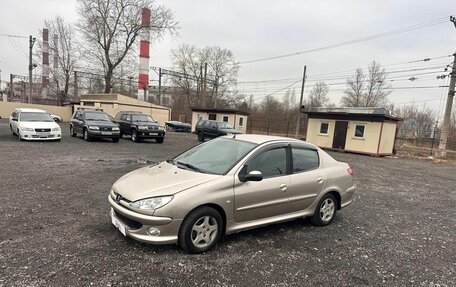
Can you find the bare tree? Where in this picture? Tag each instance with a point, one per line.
(318, 96)
(111, 29)
(221, 73)
(417, 123)
(369, 90)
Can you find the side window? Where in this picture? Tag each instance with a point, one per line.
(213, 125)
(124, 117)
(359, 130)
(270, 163)
(324, 128)
(77, 115)
(206, 124)
(304, 159)
(241, 121)
(128, 118)
(225, 118)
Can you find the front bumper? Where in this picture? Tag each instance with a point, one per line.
(137, 224)
(101, 134)
(147, 134)
(52, 135)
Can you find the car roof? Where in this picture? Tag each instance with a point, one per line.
(29, 110)
(261, 139)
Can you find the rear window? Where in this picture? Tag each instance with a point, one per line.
(304, 159)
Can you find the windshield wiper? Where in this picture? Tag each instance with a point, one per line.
(190, 166)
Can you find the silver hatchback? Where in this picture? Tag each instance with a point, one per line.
(228, 185)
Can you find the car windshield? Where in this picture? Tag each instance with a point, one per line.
(35, 117)
(97, 117)
(217, 156)
(225, 126)
(142, 118)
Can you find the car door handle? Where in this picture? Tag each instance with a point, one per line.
(320, 179)
(283, 187)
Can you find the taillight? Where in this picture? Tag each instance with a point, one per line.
(350, 171)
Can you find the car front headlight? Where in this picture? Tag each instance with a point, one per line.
(151, 203)
(115, 128)
(142, 127)
(94, 128)
(161, 128)
(24, 129)
(55, 129)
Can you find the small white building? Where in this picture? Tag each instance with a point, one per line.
(238, 119)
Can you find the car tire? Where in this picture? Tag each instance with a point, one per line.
(134, 136)
(72, 133)
(19, 135)
(115, 140)
(325, 210)
(160, 140)
(200, 137)
(85, 134)
(200, 230)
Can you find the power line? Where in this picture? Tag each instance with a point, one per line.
(13, 36)
(350, 42)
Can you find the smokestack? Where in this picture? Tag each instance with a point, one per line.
(45, 71)
(143, 79)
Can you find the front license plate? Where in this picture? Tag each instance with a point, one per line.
(153, 134)
(106, 133)
(119, 225)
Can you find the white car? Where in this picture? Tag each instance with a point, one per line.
(34, 124)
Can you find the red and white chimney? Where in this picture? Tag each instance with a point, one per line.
(143, 79)
(45, 67)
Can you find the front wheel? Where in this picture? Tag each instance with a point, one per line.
(86, 135)
(134, 136)
(200, 137)
(325, 210)
(200, 230)
(72, 133)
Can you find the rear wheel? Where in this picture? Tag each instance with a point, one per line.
(200, 136)
(325, 210)
(200, 230)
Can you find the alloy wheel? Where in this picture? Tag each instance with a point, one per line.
(204, 231)
(327, 209)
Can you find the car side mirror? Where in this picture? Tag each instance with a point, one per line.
(254, 175)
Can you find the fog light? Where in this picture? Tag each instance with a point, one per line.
(153, 231)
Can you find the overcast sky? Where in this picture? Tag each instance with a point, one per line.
(254, 29)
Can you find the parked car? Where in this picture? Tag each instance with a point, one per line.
(228, 185)
(212, 129)
(140, 126)
(34, 124)
(56, 118)
(93, 124)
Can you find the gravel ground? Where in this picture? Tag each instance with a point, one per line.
(56, 231)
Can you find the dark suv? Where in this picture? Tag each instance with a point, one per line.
(94, 124)
(212, 129)
(140, 126)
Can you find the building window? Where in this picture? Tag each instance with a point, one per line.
(324, 128)
(359, 130)
(89, 104)
(241, 121)
(212, 117)
(225, 118)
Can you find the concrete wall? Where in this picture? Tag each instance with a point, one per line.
(233, 119)
(6, 108)
(367, 144)
(113, 103)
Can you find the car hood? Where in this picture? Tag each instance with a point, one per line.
(231, 131)
(159, 180)
(36, 125)
(146, 124)
(101, 123)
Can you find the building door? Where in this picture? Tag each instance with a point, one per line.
(340, 134)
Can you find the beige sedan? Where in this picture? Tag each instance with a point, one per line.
(228, 185)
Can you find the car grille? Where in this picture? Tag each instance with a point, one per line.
(129, 222)
(42, 137)
(105, 129)
(42, 130)
(152, 128)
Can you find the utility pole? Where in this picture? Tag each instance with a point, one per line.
(159, 85)
(298, 121)
(31, 42)
(130, 84)
(449, 105)
(76, 88)
(11, 91)
(205, 85)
